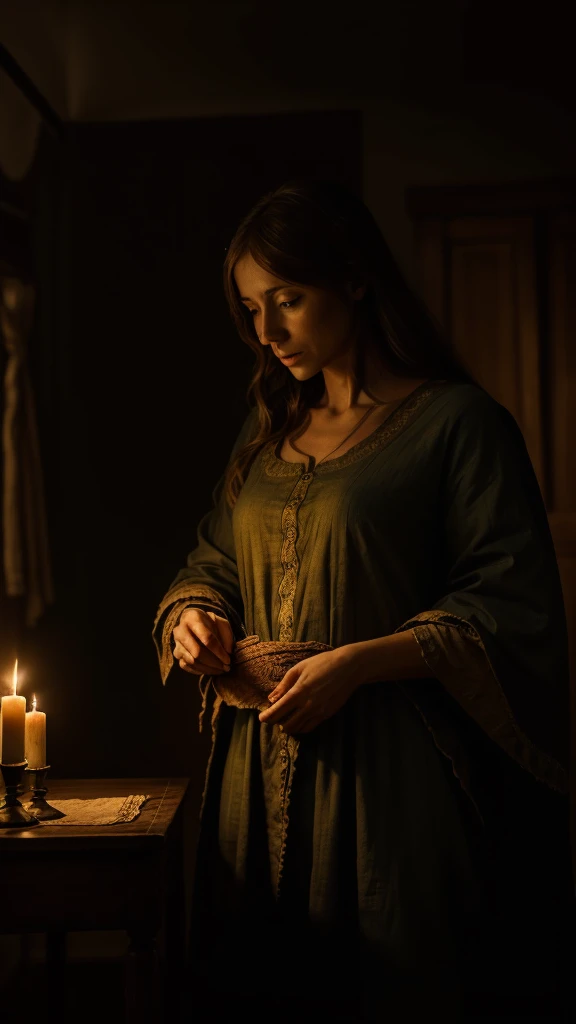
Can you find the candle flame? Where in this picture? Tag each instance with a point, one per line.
(15, 677)
(33, 702)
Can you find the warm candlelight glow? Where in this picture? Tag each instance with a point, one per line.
(33, 702)
(15, 676)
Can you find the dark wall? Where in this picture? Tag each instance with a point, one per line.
(141, 381)
(16, 260)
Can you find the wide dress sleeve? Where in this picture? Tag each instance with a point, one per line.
(210, 578)
(496, 636)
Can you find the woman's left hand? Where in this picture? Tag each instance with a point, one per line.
(313, 690)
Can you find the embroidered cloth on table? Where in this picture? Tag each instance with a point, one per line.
(115, 810)
(256, 666)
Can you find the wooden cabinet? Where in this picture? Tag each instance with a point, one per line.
(497, 267)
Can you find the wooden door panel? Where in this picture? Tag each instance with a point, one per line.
(478, 277)
(493, 315)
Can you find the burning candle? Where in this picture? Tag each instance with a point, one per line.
(35, 747)
(13, 725)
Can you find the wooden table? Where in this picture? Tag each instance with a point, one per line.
(58, 879)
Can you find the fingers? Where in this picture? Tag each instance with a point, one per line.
(197, 669)
(195, 665)
(212, 630)
(284, 685)
(294, 722)
(199, 665)
(215, 650)
(188, 668)
(281, 708)
(293, 712)
(197, 640)
(225, 634)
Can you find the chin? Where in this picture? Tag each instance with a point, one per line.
(304, 372)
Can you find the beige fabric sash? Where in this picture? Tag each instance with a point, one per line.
(256, 666)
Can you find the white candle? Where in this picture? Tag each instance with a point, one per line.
(13, 725)
(35, 749)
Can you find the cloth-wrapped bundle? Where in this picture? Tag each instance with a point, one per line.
(256, 667)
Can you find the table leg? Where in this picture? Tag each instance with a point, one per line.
(142, 979)
(56, 957)
(25, 950)
(56, 950)
(175, 923)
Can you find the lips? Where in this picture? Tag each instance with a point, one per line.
(288, 355)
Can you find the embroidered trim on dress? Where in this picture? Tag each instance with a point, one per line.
(289, 558)
(289, 748)
(379, 438)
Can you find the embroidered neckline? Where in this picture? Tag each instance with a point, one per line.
(382, 435)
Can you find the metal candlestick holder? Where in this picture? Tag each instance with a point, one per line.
(12, 814)
(38, 805)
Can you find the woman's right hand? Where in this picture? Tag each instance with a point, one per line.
(203, 642)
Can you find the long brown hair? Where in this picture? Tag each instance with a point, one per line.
(315, 232)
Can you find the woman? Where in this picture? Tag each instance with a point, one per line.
(374, 612)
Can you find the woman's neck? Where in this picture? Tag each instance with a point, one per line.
(342, 391)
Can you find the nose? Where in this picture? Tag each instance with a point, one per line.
(271, 328)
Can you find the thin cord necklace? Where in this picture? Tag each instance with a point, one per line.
(353, 431)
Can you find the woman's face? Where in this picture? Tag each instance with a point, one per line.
(314, 322)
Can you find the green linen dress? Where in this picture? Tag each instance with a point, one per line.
(388, 855)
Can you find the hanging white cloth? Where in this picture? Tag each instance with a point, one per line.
(26, 555)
